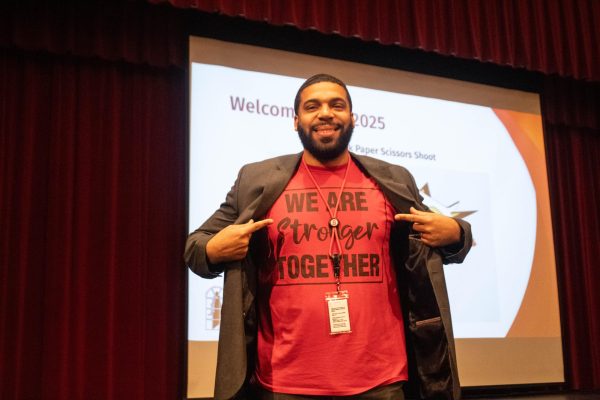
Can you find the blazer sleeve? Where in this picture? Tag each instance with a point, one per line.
(195, 247)
(456, 253)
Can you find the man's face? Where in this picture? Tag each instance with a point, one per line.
(324, 121)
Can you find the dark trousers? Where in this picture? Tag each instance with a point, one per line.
(387, 392)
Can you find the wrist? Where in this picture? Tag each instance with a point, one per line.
(211, 254)
(460, 233)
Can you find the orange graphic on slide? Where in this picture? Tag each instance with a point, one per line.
(538, 314)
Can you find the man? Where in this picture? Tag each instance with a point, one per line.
(334, 286)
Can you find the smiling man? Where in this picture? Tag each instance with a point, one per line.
(325, 122)
(334, 286)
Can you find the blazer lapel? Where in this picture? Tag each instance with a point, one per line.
(275, 181)
(398, 193)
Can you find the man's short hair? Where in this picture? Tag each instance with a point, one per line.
(317, 79)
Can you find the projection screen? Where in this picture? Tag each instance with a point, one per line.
(476, 152)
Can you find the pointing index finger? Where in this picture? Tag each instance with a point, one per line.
(409, 218)
(254, 226)
(414, 216)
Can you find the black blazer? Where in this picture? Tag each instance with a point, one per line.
(430, 342)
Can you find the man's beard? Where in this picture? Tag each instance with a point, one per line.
(325, 151)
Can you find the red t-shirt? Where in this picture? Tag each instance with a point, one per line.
(296, 352)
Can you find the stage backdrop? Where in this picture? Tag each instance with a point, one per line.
(476, 152)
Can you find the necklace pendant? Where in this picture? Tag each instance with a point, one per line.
(334, 222)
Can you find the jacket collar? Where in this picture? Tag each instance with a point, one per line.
(277, 178)
(395, 188)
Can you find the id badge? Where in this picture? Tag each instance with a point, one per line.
(339, 316)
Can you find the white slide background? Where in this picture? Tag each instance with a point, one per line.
(470, 164)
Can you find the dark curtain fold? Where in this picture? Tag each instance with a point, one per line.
(131, 31)
(92, 176)
(571, 103)
(575, 175)
(571, 113)
(558, 36)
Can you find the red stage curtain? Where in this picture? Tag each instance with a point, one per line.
(558, 36)
(572, 126)
(131, 31)
(93, 223)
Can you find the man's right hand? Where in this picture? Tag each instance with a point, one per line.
(231, 243)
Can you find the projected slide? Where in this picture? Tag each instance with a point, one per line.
(476, 153)
(462, 156)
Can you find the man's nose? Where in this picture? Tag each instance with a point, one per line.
(325, 112)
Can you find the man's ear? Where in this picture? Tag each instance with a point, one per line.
(353, 119)
(295, 122)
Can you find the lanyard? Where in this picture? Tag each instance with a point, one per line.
(334, 223)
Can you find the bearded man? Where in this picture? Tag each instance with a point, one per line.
(334, 285)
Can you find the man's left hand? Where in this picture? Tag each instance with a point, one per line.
(436, 230)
